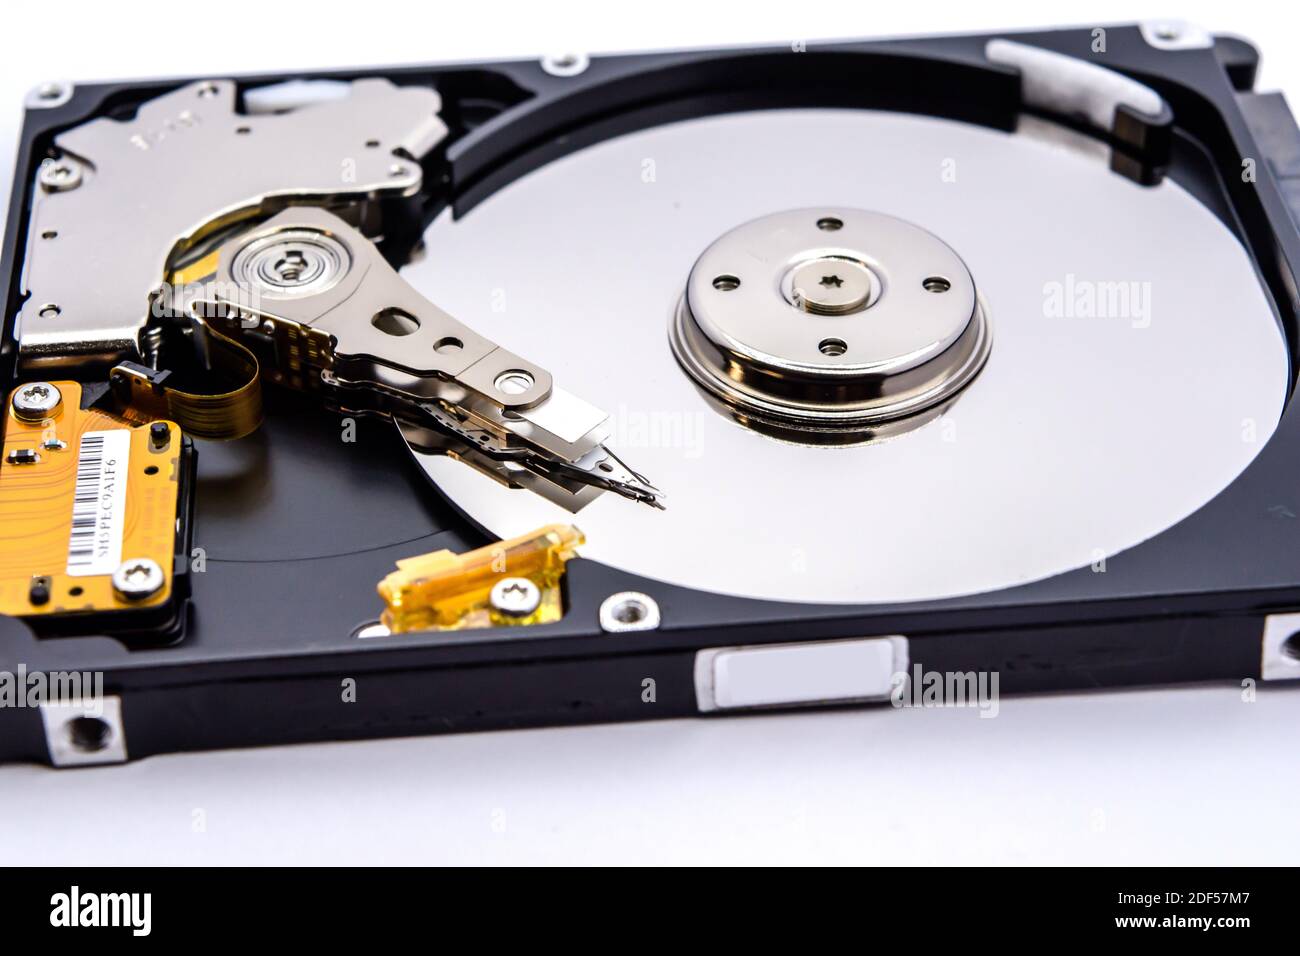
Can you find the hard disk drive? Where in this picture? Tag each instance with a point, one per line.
(441, 398)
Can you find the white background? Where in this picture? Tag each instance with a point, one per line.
(1188, 775)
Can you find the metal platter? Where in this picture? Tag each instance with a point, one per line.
(1120, 393)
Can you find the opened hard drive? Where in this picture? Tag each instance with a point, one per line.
(440, 398)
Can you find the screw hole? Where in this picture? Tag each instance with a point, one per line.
(514, 382)
(50, 234)
(243, 130)
(89, 734)
(629, 612)
(448, 344)
(936, 284)
(832, 346)
(726, 283)
(1291, 646)
(395, 322)
(76, 591)
(151, 470)
(830, 224)
(372, 144)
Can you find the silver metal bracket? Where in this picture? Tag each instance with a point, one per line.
(123, 199)
(813, 673)
(83, 733)
(1280, 648)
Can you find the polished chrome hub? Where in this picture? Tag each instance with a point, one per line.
(829, 285)
(830, 326)
(296, 262)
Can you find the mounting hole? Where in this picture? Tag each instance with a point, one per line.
(208, 90)
(447, 344)
(50, 234)
(726, 283)
(565, 64)
(89, 734)
(151, 470)
(514, 382)
(395, 322)
(830, 224)
(832, 346)
(1291, 646)
(49, 311)
(243, 130)
(372, 144)
(76, 591)
(629, 611)
(936, 284)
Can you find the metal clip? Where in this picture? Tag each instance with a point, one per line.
(512, 582)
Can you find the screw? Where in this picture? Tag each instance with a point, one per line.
(137, 579)
(830, 285)
(516, 597)
(36, 401)
(291, 265)
(159, 435)
(57, 175)
(39, 592)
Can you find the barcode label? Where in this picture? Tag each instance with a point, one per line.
(99, 503)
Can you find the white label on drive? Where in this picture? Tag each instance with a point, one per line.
(99, 503)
